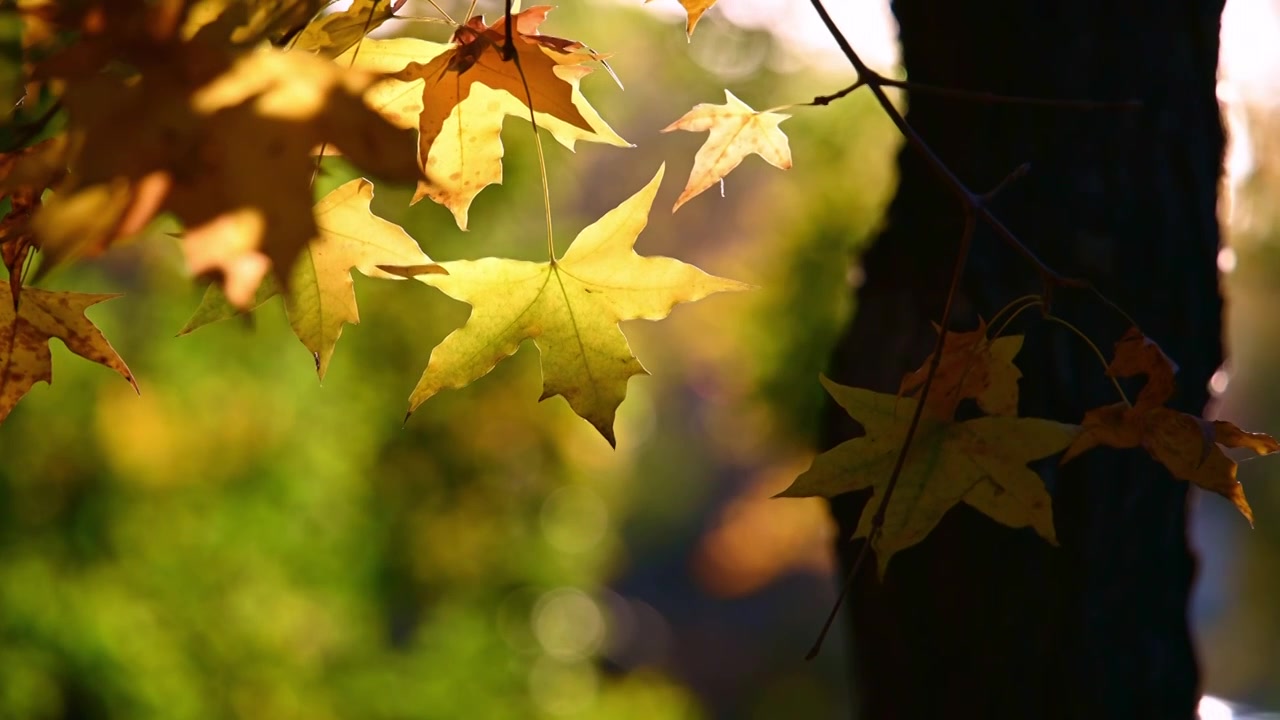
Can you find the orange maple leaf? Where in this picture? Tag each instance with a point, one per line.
(478, 58)
(972, 366)
(1189, 446)
(693, 10)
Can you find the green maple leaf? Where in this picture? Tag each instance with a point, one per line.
(570, 308)
(982, 462)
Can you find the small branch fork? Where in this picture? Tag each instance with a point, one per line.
(976, 210)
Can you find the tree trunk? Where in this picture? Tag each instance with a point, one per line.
(981, 620)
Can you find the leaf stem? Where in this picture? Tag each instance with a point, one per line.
(537, 139)
(368, 23)
(443, 14)
(1101, 358)
(1024, 303)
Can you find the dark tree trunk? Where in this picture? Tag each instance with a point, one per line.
(982, 621)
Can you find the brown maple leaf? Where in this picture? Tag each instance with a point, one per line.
(27, 325)
(478, 57)
(1189, 446)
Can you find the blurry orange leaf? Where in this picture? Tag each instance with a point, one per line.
(570, 308)
(972, 366)
(693, 10)
(756, 539)
(225, 147)
(321, 296)
(736, 132)
(982, 462)
(1189, 446)
(25, 332)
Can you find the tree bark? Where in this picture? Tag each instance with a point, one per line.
(981, 620)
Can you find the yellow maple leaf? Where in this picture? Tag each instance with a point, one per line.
(736, 131)
(462, 150)
(321, 296)
(982, 462)
(570, 308)
(226, 147)
(25, 333)
(1189, 446)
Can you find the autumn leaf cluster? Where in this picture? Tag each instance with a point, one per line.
(217, 116)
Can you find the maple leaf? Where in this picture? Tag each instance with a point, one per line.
(693, 11)
(570, 308)
(982, 462)
(736, 132)
(225, 147)
(476, 56)
(1189, 446)
(460, 143)
(25, 331)
(972, 366)
(321, 295)
(331, 35)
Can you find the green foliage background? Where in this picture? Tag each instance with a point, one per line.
(240, 542)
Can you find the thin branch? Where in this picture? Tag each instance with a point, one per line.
(877, 520)
(977, 96)
(875, 82)
(844, 592)
(957, 273)
(828, 99)
(990, 98)
(1017, 174)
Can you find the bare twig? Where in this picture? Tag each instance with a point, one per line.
(990, 98)
(877, 520)
(967, 197)
(1017, 174)
(844, 591)
(976, 96)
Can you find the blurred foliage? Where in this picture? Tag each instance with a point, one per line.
(239, 542)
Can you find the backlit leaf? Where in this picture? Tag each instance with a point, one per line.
(570, 308)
